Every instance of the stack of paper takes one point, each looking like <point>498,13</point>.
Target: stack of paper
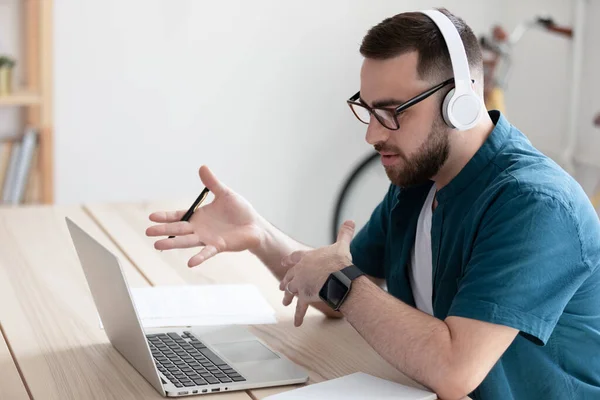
<point>356,386</point>
<point>201,305</point>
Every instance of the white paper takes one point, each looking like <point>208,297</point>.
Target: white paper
<point>201,305</point>
<point>358,386</point>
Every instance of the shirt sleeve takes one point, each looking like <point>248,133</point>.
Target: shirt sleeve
<point>525,266</point>
<point>368,246</point>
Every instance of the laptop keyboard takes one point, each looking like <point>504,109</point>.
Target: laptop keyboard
<point>186,361</point>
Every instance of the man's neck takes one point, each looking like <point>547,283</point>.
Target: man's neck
<point>463,147</point>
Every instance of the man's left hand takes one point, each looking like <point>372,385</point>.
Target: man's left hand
<point>310,269</point>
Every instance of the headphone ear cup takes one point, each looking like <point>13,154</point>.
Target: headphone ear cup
<point>461,111</point>
<point>445,108</point>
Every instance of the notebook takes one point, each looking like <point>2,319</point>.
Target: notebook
<point>357,386</point>
<point>201,305</point>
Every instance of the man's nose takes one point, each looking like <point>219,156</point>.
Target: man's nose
<point>376,133</point>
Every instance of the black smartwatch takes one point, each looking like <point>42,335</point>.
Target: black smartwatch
<point>337,286</point>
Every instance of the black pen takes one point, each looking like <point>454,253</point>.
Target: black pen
<point>192,209</point>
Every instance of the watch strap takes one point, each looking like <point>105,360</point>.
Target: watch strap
<point>352,272</point>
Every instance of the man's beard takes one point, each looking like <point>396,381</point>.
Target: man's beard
<point>426,162</point>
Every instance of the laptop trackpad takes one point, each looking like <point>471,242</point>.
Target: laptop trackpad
<point>239,352</point>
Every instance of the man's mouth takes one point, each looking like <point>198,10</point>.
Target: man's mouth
<point>388,159</point>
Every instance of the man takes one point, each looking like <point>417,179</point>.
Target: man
<point>489,250</point>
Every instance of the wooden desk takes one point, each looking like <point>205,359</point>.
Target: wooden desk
<point>51,346</point>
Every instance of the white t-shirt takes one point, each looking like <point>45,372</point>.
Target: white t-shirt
<point>421,266</point>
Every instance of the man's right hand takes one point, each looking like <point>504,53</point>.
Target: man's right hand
<point>228,223</point>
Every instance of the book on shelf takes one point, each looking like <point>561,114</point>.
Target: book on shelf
<point>19,167</point>
<point>33,191</point>
<point>9,175</point>
<point>5,150</point>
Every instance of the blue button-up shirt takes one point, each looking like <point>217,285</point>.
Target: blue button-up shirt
<point>515,241</point>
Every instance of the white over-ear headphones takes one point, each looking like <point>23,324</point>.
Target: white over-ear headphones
<point>462,106</point>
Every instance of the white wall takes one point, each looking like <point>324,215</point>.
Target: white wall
<point>147,91</point>
<point>588,147</point>
<point>537,96</point>
<point>539,93</point>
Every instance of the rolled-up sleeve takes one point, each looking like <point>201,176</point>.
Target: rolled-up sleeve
<point>526,264</point>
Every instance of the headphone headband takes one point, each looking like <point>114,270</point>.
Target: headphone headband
<point>461,107</point>
<point>458,55</point>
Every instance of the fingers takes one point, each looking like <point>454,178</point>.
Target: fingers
<point>346,232</point>
<point>211,182</point>
<point>293,258</point>
<point>301,308</point>
<point>285,285</point>
<point>167,216</point>
<point>287,298</point>
<point>289,275</point>
<point>204,254</point>
<point>179,228</point>
<point>178,242</point>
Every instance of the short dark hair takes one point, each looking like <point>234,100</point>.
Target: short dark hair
<point>412,31</point>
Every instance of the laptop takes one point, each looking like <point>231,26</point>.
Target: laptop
<point>180,361</point>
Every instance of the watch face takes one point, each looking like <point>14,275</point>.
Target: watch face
<point>333,291</point>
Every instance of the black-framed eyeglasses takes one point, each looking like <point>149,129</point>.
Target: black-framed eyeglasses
<point>388,117</point>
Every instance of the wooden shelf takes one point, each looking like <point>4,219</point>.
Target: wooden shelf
<point>35,97</point>
<point>20,99</point>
